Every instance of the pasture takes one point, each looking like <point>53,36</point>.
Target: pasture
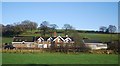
<point>6,39</point>
<point>100,37</point>
<point>94,36</point>
<point>58,58</point>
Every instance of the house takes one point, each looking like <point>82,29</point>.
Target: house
<point>40,42</point>
<point>69,40</point>
<point>47,42</point>
<point>50,39</point>
<point>57,40</point>
<point>94,44</point>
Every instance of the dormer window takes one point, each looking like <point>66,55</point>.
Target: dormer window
<point>68,40</point>
<point>40,39</point>
<point>50,39</point>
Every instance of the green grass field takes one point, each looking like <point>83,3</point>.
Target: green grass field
<point>95,36</point>
<point>6,39</point>
<point>59,58</point>
<point>101,37</point>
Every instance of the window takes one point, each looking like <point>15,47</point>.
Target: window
<point>101,45</point>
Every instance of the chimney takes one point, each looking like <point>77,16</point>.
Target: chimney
<point>55,34</point>
<point>66,35</point>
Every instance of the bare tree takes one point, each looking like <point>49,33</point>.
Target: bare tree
<point>17,28</point>
<point>67,28</point>
<point>44,26</point>
<point>53,28</point>
<point>112,28</point>
<point>77,43</point>
<point>29,25</point>
<point>103,28</point>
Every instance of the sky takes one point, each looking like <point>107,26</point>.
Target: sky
<point>81,15</point>
<point>60,0</point>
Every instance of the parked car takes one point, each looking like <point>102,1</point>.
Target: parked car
<point>8,46</point>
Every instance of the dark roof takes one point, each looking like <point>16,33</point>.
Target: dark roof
<point>32,38</point>
<point>92,41</point>
<point>23,38</point>
<point>45,38</point>
<point>69,37</point>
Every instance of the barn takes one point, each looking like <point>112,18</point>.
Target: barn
<point>23,41</point>
<point>94,44</point>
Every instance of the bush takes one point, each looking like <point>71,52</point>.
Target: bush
<point>113,45</point>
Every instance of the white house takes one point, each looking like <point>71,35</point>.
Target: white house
<point>49,39</point>
<point>40,39</point>
<point>59,39</point>
<point>40,42</point>
<point>67,40</point>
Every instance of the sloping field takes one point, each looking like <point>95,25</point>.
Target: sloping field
<point>94,36</point>
<point>101,37</point>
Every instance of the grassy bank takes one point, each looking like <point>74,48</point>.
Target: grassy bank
<point>101,37</point>
<point>6,39</point>
<point>59,58</point>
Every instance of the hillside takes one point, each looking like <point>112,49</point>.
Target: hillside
<point>95,36</point>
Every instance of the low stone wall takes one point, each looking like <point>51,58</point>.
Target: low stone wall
<point>101,51</point>
<point>23,51</point>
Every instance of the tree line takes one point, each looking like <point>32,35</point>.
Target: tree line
<point>109,29</point>
<point>46,28</point>
<point>18,28</point>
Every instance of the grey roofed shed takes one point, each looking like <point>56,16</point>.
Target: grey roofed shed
<point>23,38</point>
